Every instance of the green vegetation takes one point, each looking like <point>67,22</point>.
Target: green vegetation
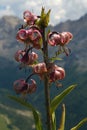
<point>3,123</point>
<point>15,119</point>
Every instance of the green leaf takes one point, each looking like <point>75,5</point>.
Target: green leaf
<point>54,59</point>
<point>35,62</point>
<point>79,124</point>
<point>53,121</point>
<point>62,121</point>
<point>58,99</point>
<point>36,114</point>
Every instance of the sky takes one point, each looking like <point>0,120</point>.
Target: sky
<point>61,10</point>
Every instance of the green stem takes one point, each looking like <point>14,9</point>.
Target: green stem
<point>46,82</point>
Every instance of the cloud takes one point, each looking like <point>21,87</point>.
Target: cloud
<point>6,10</point>
<point>61,10</point>
<point>74,8</point>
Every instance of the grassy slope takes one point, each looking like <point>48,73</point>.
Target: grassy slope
<point>15,119</point>
<point>3,123</point>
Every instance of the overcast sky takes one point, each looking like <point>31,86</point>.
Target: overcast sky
<point>61,10</point>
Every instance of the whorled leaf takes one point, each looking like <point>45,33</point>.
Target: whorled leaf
<point>62,121</point>
<point>54,59</point>
<point>36,114</point>
<point>53,121</point>
<point>58,99</point>
<point>82,122</point>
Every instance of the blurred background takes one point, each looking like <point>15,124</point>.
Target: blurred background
<point>65,16</point>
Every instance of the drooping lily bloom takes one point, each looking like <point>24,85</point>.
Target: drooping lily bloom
<point>40,68</point>
<point>52,67</point>
<point>65,38</point>
<point>18,55</point>
<point>54,38</point>
<point>24,57</point>
<point>35,36</point>
<point>31,58</point>
<point>22,87</point>
<point>54,76</point>
<point>22,35</point>
<point>29,17</point>
<point>61,39</point>
<point>55,72</point>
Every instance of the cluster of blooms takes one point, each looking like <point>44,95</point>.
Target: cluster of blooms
<point>32,38</point>
<point>61,39</point>
<point>55,38</point>
<point>54,72</point>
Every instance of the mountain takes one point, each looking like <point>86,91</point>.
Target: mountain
<point>75,65</point>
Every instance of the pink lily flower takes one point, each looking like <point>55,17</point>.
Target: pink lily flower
<point>54,38</point>
<point>55,72</point>
<point>22,87</point>
<point>40,68</point>
<point>22,35</point>
<point>29,17</point>
<point>65,38</point>
<point>24,57</point>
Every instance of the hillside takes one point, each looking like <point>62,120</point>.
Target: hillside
<point>75,66</point>
<point>15,119</point>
